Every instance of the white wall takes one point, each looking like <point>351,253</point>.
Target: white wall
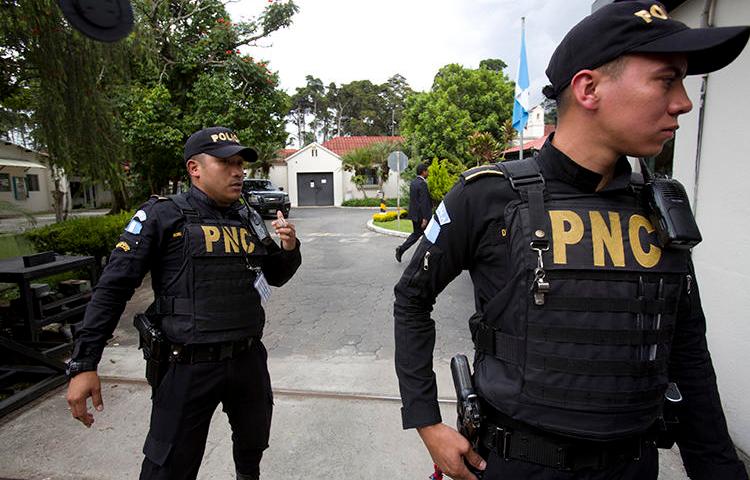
<point>278,176</point>
<point>40,201</point>
<point>351,191</point>
<point>314,159</point>
<point>535,126</point>
<point>722,206</point>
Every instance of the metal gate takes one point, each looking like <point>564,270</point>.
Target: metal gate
<point>314,189</point>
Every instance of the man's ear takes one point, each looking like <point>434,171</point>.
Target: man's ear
<point>193,168</point>
<point>583,89</point>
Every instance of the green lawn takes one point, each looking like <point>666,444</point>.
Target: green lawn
<point>14,246</point>
<point>393,225</point>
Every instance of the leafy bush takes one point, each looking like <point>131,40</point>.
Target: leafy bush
<point>372,202</point>
<point>388,216</point>
<point>95,236</point>
<point>443,174</point>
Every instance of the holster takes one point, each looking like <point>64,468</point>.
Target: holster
<point>155,348</point>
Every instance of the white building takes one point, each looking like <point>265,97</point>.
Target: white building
<point>535,124</point>
<point>314,175</point>
<point>713,174</point>
<point>26,182</point>
<point>25,179</point>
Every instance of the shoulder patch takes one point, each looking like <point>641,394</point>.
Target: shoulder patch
<point>481,171</point>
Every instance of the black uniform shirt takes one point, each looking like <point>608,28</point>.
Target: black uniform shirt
<point>473,241</point>
<point>152,245</point>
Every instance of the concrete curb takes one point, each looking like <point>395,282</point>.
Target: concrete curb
<point>385,231</point>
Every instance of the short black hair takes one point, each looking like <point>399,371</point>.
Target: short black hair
<point>421,168</point>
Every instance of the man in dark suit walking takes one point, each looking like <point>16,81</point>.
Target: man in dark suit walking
<point>420,209</point>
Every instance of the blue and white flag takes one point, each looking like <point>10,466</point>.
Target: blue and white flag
<point>521,102</point>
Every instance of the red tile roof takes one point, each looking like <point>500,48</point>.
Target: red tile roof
<point>281,155</point>
<point>535,144</point>
<point>342,145</point>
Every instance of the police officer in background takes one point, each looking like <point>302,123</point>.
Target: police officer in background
<point>210,272</point>
<point>582,317</point>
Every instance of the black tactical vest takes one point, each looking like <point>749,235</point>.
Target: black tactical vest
<point>212,298</point>
<point>577,342</point>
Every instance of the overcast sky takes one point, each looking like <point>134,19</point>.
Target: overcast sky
<point>345,40</point>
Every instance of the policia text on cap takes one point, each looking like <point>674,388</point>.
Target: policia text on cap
<point>583,317</point>
<point>210,272</point>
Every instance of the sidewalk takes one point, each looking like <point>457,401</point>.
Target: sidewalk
<point>336,416</point>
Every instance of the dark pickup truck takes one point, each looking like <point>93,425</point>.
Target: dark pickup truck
<point>265,198</point>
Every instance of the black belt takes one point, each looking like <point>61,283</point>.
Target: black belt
<point>528,444</point>
<point>208,352</point>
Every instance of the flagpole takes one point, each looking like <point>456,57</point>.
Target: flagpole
<point>520,150</point>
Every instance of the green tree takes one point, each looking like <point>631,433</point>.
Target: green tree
<point>371,157</point>
<point>355,108</point>
<point>189,52</point>
<point>483,147</point>
<point>462,101</point>
<point>60,90</point>
<point>494,64</point>
<point>442,175</point>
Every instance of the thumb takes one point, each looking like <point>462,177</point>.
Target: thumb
<point>96,399</point>
<point>475,460</point>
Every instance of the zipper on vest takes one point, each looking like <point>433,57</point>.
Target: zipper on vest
<point>426,261</point>
<point>689,282</point>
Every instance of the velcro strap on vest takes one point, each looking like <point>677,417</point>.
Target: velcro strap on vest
<point>646,306</point>
<point>172,306</point>
<point>526,178</point>
<point>500,345</point>
<point>608,368</point>
<point>593,398</point>
<point>595,336</point>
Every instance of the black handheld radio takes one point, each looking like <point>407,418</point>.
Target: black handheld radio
<point>669,210</point>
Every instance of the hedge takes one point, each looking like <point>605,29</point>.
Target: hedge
<point>95,236</point>
<point>388,216</point>
<point>372,202</point>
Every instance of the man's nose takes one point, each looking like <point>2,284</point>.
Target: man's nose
<point>680,102</point>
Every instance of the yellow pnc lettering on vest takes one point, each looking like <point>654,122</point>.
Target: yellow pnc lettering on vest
<point>233,239</point>
<point>606,236</point>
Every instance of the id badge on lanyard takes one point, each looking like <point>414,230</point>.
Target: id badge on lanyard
<point>262,287</point>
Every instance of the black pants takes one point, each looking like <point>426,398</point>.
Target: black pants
<point>413,237</point>
<point>645,468</point>
<point>184,403</point>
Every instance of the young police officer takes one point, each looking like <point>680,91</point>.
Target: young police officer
<point>582,317</point>
<point>210,272</point>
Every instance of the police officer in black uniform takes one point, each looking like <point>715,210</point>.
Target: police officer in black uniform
<point>583,319</point>
<point>210,271</point>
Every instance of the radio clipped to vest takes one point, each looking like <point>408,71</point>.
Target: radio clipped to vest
<point>256,222</point>
<point>669,210</point>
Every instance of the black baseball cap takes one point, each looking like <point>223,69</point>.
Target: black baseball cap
<point>639,27</point>
<point>218,142</point>
<point>103,20</point>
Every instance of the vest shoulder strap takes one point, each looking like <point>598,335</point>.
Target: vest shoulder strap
<point>523,174</point>
<point>191,214</point>
<point>526,179</point>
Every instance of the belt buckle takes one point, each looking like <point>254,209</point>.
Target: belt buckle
<point>226,351</point>
<point>502,442</point>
